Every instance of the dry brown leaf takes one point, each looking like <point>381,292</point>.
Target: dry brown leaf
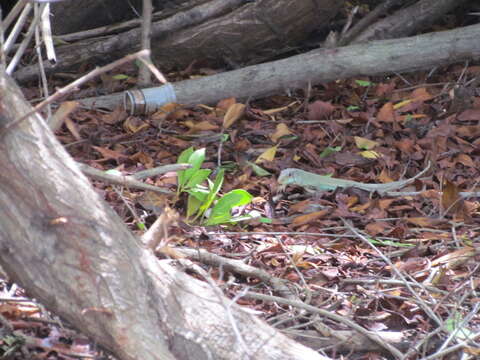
<point>364,143</point>
<point>118,115</point>
<point>377,227</point>
<point>386,113</point>
<point>234,112</point>
<point>143,158</point>
<point>267,155</point>
<point>281,130</point>
<point>109,154</point>
<point>301,206</point>
<point>451,200</point>
<point>66,107</point>
<point>134,124</point>
<point>469,115</point>
<point>405,145</point>
<point>455,258</point>
<point>318,110</point>
<point>421,94</point>
<point>308,218</point>
<point>195,127</point>
<point>72,127</point>
<point>466,160</point>
<point>153,201</point>
<point>424,221</point>
<point>226,103</point>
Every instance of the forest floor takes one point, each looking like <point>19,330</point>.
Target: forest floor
<point>405,263</point>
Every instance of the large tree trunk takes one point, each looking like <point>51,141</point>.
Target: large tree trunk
<point>63,244</point>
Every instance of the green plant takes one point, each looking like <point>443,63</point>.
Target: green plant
<point>9,344</point>
<point>203,201</point>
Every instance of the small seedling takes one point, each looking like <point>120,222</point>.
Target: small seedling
<point>203,202</point>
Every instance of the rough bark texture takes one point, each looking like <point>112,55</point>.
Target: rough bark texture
<point>72,16</point>
<point>409,20</point>
<point>69,16</point>
<point>227,30</point>
<point>69,250</point>
<point>255,31</point>
<point>323,65</point>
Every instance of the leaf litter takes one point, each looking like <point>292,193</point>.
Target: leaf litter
<point>429,231</point>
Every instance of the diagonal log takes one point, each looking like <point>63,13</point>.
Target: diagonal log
<point>68,249</point>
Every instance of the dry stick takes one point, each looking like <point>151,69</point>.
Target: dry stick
<point>422,304</point>
<point>144,77</point>
<point>341,319</point>
<point>119,179</point>
<point>391,282</point>
<point>3,59</point>
<point>70,87</point>
<point>159,170</point>
<point>14,13</point>
<point>460,327</point>
<point>441,354</point>
<point>241,268</point>
<point>17,28</point>
<point>28,37</point>
<point>38,47</point>
<point>47,35</point>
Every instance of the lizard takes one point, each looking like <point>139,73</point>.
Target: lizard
<point>308,180</point>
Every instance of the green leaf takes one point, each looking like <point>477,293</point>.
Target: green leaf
<point>352,108</point>
<point>221,212</point>
<point>199,192</point>
<point>193,204</point>
<point>141,226</point>
<point>185,155</point>
<point>183,159</point>
<point>363,83</point>
<point>330,150</point>
<point>196,159</point>
<point>120,77</point>
<point>453,323</point>
<point>265,220</point>
<point>214,189</point>
<point>259,171</point>
<point>199,177</point>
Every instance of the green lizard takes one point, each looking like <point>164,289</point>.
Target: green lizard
<point>316,182</point>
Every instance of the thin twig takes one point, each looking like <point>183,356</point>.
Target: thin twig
<point>341,319</point>
<point>239,267</point>
<point>74,85</point>
<point>397,272</point>
<point>126,181</point>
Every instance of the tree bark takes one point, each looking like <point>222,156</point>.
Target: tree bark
<point>409,20</point>
<point>214,31</point>
<point>323,65</point>
<point>69,250</point>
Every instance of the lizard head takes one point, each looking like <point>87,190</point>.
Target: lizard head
<point>286,177</point>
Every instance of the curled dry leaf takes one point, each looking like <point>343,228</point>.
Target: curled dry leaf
<point>234,112</point>
<point>281,130</point>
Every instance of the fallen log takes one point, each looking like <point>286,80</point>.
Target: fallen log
<point>231,31</point>
<point>69,250</point>
<point>317,66</point>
